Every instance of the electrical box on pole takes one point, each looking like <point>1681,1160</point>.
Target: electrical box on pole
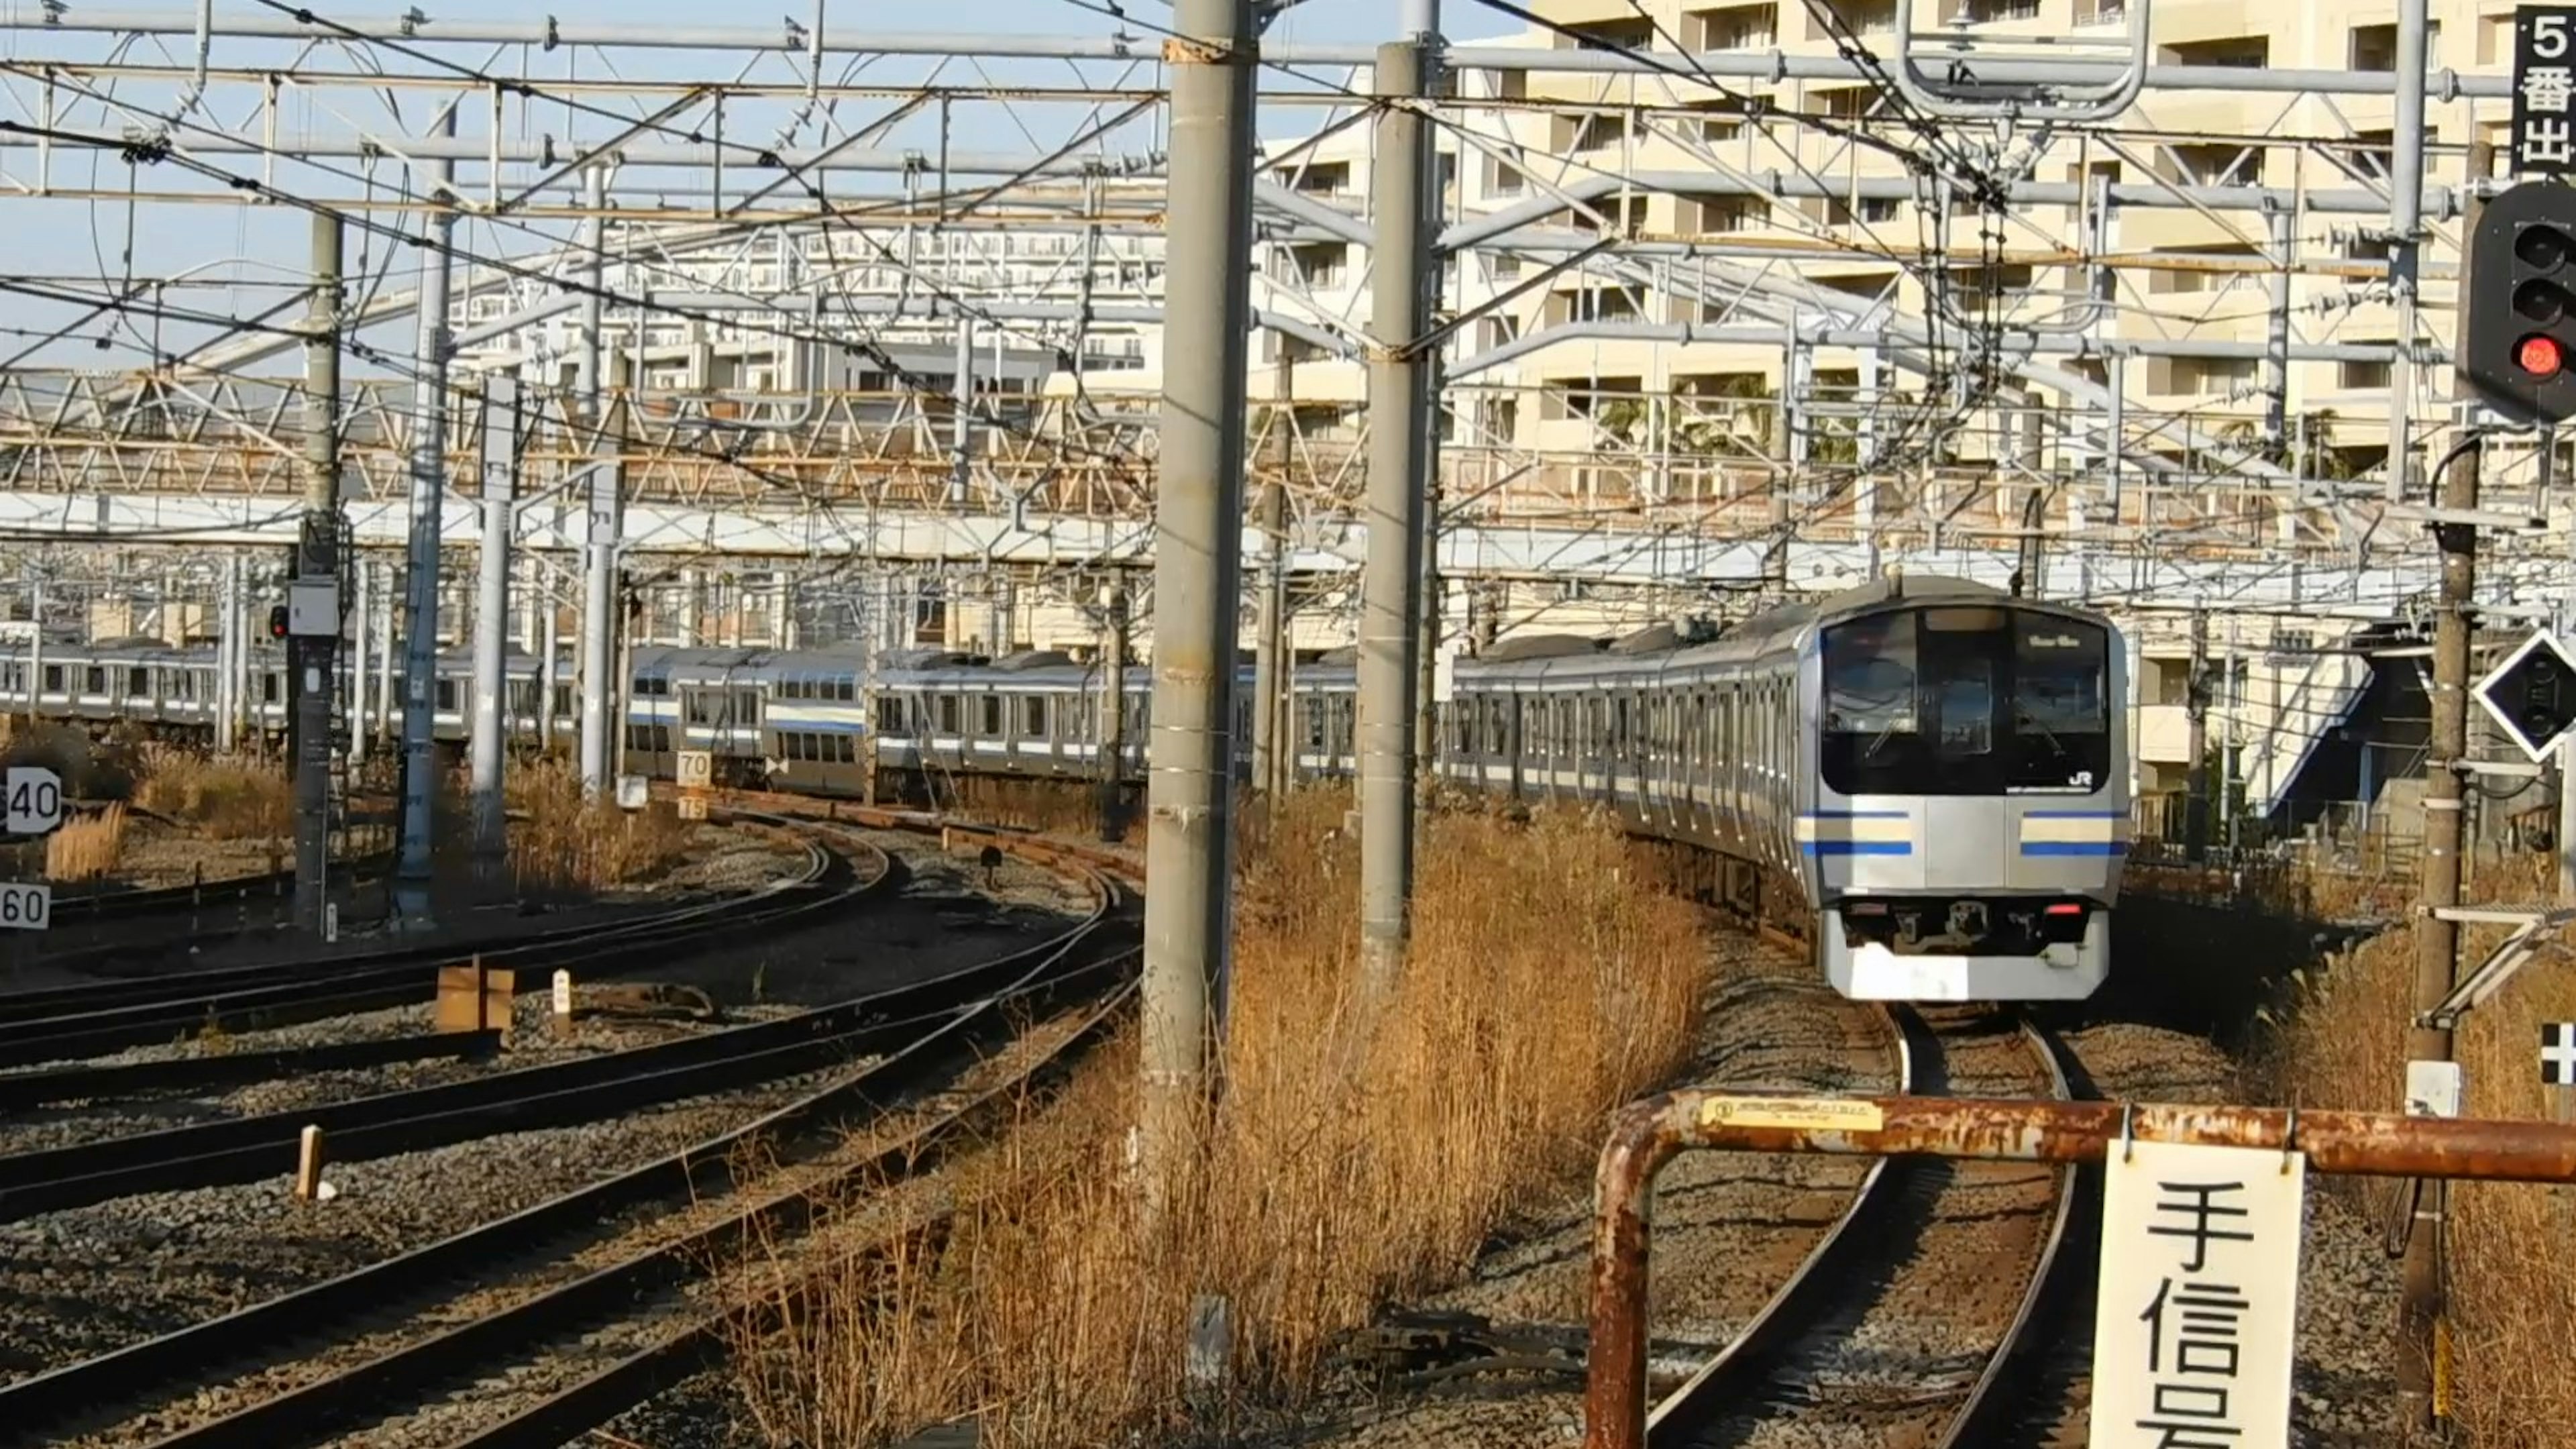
<point>2520,352</point>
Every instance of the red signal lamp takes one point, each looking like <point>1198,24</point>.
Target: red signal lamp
<point>277,622</point>
<point>2539,356</point>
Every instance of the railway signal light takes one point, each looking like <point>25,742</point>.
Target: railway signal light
<point>2522,304</point>
<point>277,622</point>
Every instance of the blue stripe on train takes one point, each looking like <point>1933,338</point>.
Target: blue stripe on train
<point>1857,847</point>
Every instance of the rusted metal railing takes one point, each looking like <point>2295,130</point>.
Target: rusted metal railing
<point>1648,1134</point>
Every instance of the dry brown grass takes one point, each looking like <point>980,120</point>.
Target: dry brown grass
<point>87,847</point>
<point>1343,1173</point>
<point>561,840</point>
<point>2343,1046</point>
<point>224,797</point>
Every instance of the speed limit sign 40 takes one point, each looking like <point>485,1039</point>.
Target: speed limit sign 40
<point>31,800</point>
<point>25,907</point>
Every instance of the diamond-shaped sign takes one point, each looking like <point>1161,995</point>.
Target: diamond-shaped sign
<point>2532,694</point>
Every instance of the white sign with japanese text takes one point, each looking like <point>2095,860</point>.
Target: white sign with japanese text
<point>2192,1341</point>
<point>2544,89</point>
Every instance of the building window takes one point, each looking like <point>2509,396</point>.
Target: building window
<point>1736,27</point>
<point>2366,376</point>
<point>2248,52</point>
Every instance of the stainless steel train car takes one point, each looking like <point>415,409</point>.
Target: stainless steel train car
<point>1938,769</point>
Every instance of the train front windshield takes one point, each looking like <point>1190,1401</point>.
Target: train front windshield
<point>1966,700</point>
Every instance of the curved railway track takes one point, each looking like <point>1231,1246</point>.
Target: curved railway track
<point>247,1148</point>
<point>70,1022</point>
<point>389,1346</point>
<point>1907,1322</point>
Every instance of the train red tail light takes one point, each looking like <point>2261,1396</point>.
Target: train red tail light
<point>2065,908</point>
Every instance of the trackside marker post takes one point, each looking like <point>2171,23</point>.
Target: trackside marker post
<point>562,1003</point>
<point>308,1165</point>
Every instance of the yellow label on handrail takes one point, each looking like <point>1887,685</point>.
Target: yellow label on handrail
<point>1798,1114</point>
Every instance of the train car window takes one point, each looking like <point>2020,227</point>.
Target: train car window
<point>847,690</point>
<point>1033,717</point>
<point>1953,701</point>
<point>138,683</point>
<point>889,715</point>
<point>94,680</point>
<point>447,694</point>
<point>992,717</point>
<point>1313,711</point>
<point>948,714</point>
<point>53,678</point>
<point>746,709</point>
<point>2061,717</point>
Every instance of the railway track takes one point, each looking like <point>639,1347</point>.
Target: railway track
<point>465,1307</point>
<point>71,1022</point>
<point>247,1148</point>
<point>1907,1323</point>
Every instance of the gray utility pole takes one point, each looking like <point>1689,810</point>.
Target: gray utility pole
<point>1198,531</point>
<point>1113,714</point>
<point>227,654</point>
<point>961,426</point>
<point>599,613</point>
<point>313,667</point>
<point>385,655</point>
<point>541,585</point>
<point>2196,692</point>
<point>360,577</point>
<point>500,459</point>
<point>2406,146</point>
<point>1269,677</point>
<point>2422,1303</point>
<point>1391,578</point>
<point>420,603</point>
<point>1426,646</point>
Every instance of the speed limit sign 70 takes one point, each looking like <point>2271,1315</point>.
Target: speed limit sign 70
<point>25,907</point>
<point>31,800</point>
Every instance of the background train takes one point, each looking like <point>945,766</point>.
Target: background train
<point>1938,772</point>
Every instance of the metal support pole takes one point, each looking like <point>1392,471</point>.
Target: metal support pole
<point>1198,543</point>
<point>227,655</point>
<point>961,426</point>
<point>2195,830</point>
<point>411,906</point>
<point>599,551</point>
<point>361,578</point>
<point>2276,340</point>
<point>2567,822</point>
<point>1391,580</point>
<point>385,656</point>
<point>1426,648</point>
<point>2405,223</point>
<point>500,459</point>
<point>1269,721</point>
<point>2423,1341</point>
<point>314,665</point>
<point>1113,715</point>
<point>549,669</point>
<point>1270,646</point>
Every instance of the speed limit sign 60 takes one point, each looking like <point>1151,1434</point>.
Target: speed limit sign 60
<point>25,907</point>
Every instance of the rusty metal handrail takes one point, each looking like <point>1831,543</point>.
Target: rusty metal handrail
<point>1646,1135</point>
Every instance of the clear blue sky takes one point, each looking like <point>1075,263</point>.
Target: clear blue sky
<point>79,240</point>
